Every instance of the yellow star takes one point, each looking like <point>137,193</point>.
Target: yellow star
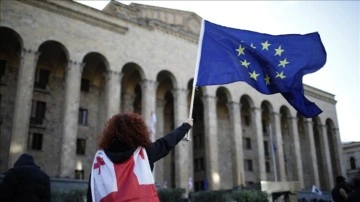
<point>283,62</point>
<point>240,50</point>
<point>265,45</point>
<point>280,75</point>
<point>278,51</point>
<point>252,46</point>
<point>267,80</point>
<point>245,63</point>
<point>254,75</point>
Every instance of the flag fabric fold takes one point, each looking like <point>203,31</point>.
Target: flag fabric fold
<point>269,63</point>
<point>130,180</point>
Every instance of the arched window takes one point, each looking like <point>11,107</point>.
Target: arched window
<point>352,163</point>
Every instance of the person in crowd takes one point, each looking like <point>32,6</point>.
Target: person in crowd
<point>122,168</point>
<point>25,181</point>
<point>355,195</point>
<point>338,193</point>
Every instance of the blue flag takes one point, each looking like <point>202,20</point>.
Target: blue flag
<point>269,63</point>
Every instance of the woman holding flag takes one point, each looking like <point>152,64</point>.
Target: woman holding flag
<point>122,167</point>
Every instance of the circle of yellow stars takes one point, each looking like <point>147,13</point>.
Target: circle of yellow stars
<point>265,46</point>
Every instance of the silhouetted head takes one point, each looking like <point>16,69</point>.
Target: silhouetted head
<point>340,179</point>
<point>24,159</point>
<point>356,182</point>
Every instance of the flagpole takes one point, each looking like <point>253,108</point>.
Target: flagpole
<point>273,153</point>
<point>196,73</point>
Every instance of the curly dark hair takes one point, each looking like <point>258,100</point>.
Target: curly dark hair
<point>128,128</point>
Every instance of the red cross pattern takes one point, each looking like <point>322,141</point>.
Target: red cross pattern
<point>99,162</point>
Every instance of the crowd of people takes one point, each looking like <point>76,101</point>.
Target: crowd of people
<point>122,167</point>
<point>121,171</point>
<point>345,192</point>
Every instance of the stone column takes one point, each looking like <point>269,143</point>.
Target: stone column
<point>159,165</point>
<point>237,146</point>
<point>148,99</point>
<point>211,148</point>
<point>339,153</point>
<point>326,152</point>
<point>310,133</point>
<point>127,102</point>
<point>260,143</point>
<point>299,165</point>
<point>70,120</point>
<point>280,164</point>
<point>113,84</point>
<point>182,154</point>
<point>24,92</point>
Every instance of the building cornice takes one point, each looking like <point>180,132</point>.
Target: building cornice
<point>319,94</point>
<point>69,9</point>
<point>351,145</point>
<point>184,24</point>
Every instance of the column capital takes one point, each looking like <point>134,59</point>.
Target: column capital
<point>184,90</point>
<point>73,63</point>
<point>232,105</point>
<point>256,109</point>
<point>322,125</point>
<point>28,52</point>
<point>111,73</point>
<point>208,97</point>
<point>309,121</point>
<point>25,51</point>
<point>145,83</point>
<point>293,118</point>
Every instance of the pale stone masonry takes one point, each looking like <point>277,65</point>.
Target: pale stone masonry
<point>66,68</point>
<point>352,160</point>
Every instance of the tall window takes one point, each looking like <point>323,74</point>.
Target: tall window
<point>83,116</point>
<point>264,126</point>
<point>41,78</point>
<point>352,163</point>
<point>2,69</point>
<point>198,140</point>
<point>267,166</point>
<point>199,164</point>
<point>266,148</point>
<point>202,163</point>
<point>0,110</point>
<point>37,115</point>
<point>36,141</point>
<point>85,85</point>
<point>247,143</point>
<point>196,164</point>
<point>245,112</point>
<point>246,119</point>
<point>248,165</point>
<point>80,146</point>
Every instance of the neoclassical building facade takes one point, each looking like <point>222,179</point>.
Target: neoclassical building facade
<point>66,68</point>
<point>351,157</point>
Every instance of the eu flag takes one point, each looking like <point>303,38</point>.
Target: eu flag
<point>269,63</point>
